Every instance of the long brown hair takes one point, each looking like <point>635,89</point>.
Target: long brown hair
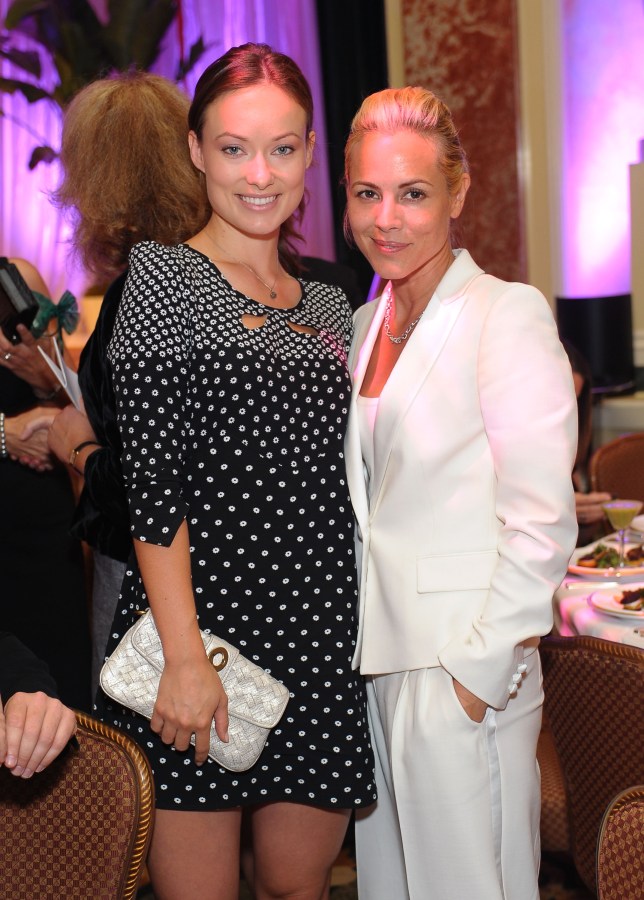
<point>246,66</point>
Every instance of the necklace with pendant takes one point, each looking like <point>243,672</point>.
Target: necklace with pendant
<point>408,330</point>
<point>269,287</point>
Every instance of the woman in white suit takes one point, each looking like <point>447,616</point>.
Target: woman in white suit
<point>460,446</point>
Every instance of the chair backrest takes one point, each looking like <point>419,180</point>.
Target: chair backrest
<point>620,856</point>
<point>593,700</point>
<point>82,827</point>
<point>618,467</point>
<point>554,825</point>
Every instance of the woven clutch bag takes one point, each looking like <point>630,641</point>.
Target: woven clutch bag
<point>256,700</point>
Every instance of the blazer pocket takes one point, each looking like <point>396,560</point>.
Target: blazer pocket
<point>456,571</point>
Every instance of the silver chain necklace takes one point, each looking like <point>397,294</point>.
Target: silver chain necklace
<point>408,330</point>
<point>270,287</point>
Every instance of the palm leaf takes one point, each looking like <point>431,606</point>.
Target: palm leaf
<point>41,154</point>
<point>27,60</point>
<point>82,48</point>
<point>45,21</point>
<point>194,55</point>
<point>135,30</point>
<point>31,92</point>
<point>23,9</point>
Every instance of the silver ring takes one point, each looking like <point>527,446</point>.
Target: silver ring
<point>7,356</point>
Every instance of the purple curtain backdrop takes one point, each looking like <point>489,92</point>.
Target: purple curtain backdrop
<point>32,228</point>
<point>602,95</point>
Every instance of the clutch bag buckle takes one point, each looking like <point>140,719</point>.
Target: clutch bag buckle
<point>218,651</point>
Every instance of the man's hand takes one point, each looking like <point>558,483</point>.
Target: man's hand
<point>34,728</point>
<point>69,429</point>
<point>27,440</point>
<point>589,507</point>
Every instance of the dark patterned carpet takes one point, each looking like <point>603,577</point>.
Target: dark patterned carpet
<point>558,881</point>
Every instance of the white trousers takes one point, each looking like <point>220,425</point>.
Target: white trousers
<point>457,816</point>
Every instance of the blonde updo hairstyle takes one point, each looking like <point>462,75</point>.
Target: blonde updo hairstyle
<point>414,109</point>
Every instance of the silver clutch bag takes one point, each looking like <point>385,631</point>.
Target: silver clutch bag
<point>256,700</point>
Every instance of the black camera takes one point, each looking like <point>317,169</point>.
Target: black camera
<point>18,306</point>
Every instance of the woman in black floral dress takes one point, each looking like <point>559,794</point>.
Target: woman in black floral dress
<point>232,393</point>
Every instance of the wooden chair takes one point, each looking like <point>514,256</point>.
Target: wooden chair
<point>618,467</point>
<point>82,827</point>
<point>620,860</point>
<point>555,826</point>
<point>593,696</point>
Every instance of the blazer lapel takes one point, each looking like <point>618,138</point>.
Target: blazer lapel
<point>424,346</point>
<point>367,327</point>
<point>408,376</point>
<point>423,349</point>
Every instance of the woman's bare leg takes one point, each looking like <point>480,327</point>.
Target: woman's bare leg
<point>246,853</point>
<point>294,848</point>
<point>195,855</point>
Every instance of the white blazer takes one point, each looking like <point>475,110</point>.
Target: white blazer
<point>468,524</point>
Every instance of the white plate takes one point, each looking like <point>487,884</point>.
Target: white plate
<point>638,523</point>
<point>605,601</point>
<point>622,572</point>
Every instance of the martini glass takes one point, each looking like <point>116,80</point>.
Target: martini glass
<point>620,515</point>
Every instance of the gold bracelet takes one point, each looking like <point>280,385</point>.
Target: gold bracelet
<point>74,454</point>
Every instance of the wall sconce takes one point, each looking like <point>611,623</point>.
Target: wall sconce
<point>601,328</point>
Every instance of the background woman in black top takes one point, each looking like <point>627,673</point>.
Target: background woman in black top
<point>42,595</point>
<point>127,176</point>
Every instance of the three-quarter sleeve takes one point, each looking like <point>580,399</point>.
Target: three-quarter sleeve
<point>149,355</point>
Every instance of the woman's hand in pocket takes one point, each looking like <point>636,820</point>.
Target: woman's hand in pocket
<point>473,705</point>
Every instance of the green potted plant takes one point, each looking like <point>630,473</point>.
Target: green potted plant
<point>82,48</point>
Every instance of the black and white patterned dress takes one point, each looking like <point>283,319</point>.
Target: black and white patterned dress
<point>240,431</point>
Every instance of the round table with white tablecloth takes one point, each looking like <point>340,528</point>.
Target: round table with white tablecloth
<point>573,614</point>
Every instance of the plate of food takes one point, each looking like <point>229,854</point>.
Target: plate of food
<point>601,560</point>
<point>628,602</point>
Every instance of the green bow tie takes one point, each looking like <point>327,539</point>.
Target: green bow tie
<point>65,311</point>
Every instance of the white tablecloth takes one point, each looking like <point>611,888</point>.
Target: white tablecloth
<point>573,615</point>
